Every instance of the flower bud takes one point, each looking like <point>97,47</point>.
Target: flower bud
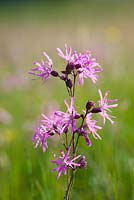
<point>82,162</point>
<point>65,130</point>
<point>69,83</point>
<point>89,105</point>
<point>77,116</point>
<point>96,110</point>
<point>82,116</point>
<point>69,68</point>
<point>63,72</point>
<point>54,73</point>
<point>77,66</point>
<point>63,78</point>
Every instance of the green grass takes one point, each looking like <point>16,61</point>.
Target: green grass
<point>25,173</point>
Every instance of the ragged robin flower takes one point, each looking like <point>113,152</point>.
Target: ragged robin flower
<point>43,69</point>
<point>65,161</point>
<point>105,106</point>
<point>86,66</point>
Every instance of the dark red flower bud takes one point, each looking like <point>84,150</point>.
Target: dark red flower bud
<point>69,83</point>
<point>50,133</point>
<point>96,110</point>
<point>89,105</point>
<point>63,78</point>
<point>65,130</point>
<point>82,116</point>
<point>69,68</point>
<point>82,162</point>
<point>54,73</point>
<point>77,116</point>
<point>63,72</point>
<point>77,66</point>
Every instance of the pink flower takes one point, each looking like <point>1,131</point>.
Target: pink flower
<point>68,56</point>
<point>84,133</point>
<point>82,162</point>
<point>40,137</point>
<point>105,106</point>
<point>86,66</point>
<point>63,162</point>
<point>44,69</point>
<point>47,128</point>
<point>68,118</point>
<point>91,124</point>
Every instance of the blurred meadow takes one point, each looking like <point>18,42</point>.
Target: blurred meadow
<point>26,30</point>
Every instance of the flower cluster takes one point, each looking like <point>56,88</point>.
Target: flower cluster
<point>71,125</point>
<point>83,64</point>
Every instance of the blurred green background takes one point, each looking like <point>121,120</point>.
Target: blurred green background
<point>27,28</point>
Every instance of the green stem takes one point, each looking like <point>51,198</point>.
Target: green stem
<point>69,91</point>
<point>67,148</point>
<point>69,187</point>
<point>70,182</point>
<point>77,142</point>
<point>74,84</point>
<point>83,119</point>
